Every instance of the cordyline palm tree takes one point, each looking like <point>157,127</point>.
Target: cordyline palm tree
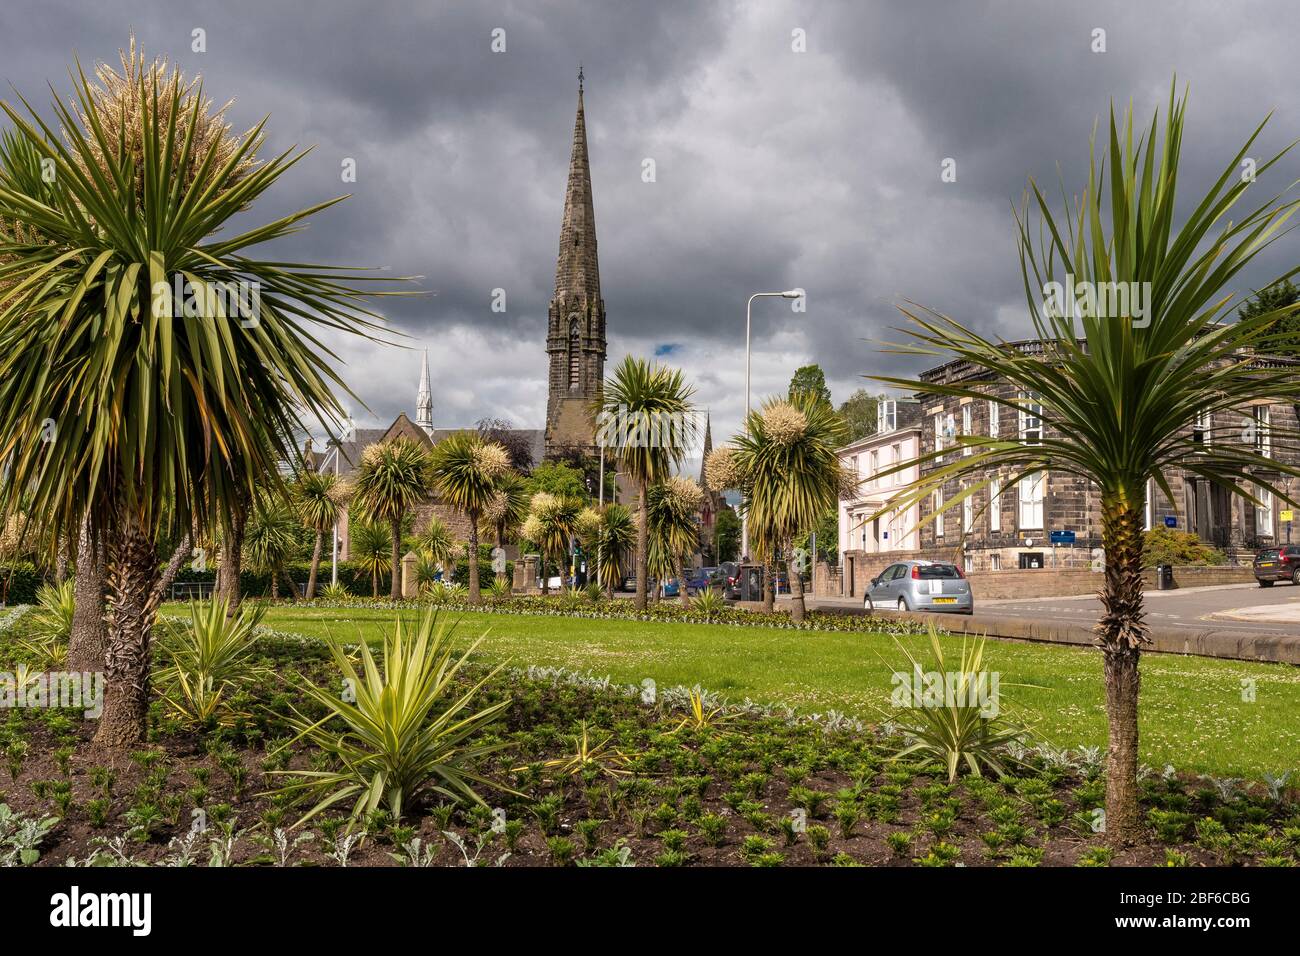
<point>392,477</point>
<point>787,454</point>
<point>319,508</point>
<point>270,538</point>
<point>437,544</point>
<point>608,534</point>
<point>674,530</point>
<point>1119,392</point>
<point>466,471</point>
<point>371,550</point>
<point>551,524</point>
<point>645,418</point>
<point>507,509</point>
<point>166,408</point>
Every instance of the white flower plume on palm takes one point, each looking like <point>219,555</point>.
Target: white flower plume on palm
<point>722,469</point>
<point>783,423</point>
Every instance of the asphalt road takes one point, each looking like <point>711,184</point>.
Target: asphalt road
<point>1197,608</point>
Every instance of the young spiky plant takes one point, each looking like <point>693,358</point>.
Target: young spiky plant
<point>608,535</point>
<point>551,523</point>
<point>673,520</point>
<point>270,538</point>
<point>169,413</point>
<point>786,457</point>
<point>1119,392</point>
<point>371,546</point>
<point>437,544</point>
<point>318,509</point>
<point>392,477</point>
<point>467,470</point>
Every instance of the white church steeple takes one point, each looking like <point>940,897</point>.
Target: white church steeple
<point>424,398</point>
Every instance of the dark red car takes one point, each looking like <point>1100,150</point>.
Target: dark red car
<point>1278,564</point>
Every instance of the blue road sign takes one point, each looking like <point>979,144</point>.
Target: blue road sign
<point>1171,521</point>
<point>1062,537</point>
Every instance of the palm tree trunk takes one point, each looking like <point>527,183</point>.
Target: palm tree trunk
<point>183,550</point>
<point>232,559</point>
<point>797,608</point>
<point>288,581</point>
<point>546,581</point>
<point>683,597</point>
<point>374,581</point>
<point>395,586</point>
<point>474,596</point>
<point>642,545</point>
<point>1122,632</point>
<point>61,563</point>
<point>88,642</point>
<point>132,576</point>
<point>315,566</point>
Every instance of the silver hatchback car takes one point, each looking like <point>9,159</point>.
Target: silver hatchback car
<point>920,586</point>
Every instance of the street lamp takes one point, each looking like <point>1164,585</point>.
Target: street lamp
<point>788,294</point>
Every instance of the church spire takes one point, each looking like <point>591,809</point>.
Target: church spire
<point>575,338</point>
<point>424,397</point>
<point>577,269</point>
<point>708,447</point>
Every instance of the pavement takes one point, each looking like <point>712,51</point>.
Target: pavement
<point>1239,621</point>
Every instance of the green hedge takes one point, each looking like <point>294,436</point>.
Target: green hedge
<point>19,583</point>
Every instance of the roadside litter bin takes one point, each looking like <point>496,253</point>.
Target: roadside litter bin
<point>1165,577</point>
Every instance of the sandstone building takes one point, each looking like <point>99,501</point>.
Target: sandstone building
<point>1008,525</point>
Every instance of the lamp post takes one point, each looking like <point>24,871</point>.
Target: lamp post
<point>788,294</point>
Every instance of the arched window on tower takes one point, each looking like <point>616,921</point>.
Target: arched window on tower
<point>575,363</point>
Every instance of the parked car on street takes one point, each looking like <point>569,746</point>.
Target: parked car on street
<point>1278,564</point>
<point>704,579</point>
<point>920,586</point>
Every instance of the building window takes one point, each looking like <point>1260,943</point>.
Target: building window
<point>966,427</point>
<point>995,504</point>
<point>968,563</point>
<point>995,418</point>
<point>1201,429</point>
<point>1146,513</point>
<point>938,514</point>
<point>1263,442</point>
<point>938,435</point>
<point>1264,514</point>
<point>967,515</point>
<point>995,562</point>
<point>874,468</point>
<point>1031,420</point>
<point>886,415</point>
<point>575,358</point>
<point>895,455</point>
<point>1031,502</point>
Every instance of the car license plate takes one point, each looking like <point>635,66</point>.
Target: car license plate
<point>1266,564</point>
<point>945,600</point>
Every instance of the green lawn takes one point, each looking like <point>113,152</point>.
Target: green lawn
<point>1193,714</point>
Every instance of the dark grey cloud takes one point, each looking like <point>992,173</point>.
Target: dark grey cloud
<point>774,168</point>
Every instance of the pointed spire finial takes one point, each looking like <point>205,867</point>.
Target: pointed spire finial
<point>579,76</point>
<point>424,397</point>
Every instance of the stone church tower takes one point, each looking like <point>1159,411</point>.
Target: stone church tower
<point>575,339</point>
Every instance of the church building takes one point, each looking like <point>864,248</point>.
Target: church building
<point>575,348</point>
